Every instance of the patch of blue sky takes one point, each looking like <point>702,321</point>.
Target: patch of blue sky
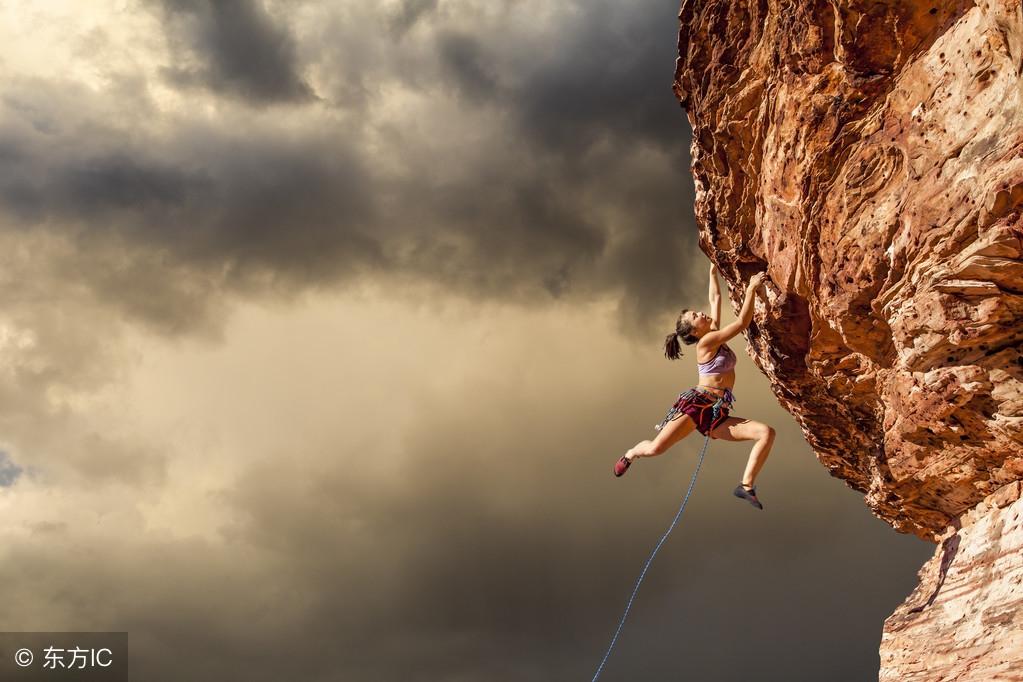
<point>9,471</point>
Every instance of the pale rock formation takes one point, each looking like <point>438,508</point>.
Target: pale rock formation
<point>968,607</point>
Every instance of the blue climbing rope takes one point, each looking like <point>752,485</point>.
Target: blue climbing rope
<point>664,537</point>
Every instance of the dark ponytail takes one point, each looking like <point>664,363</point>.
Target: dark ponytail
<point>672,350</point>
<point>683,330</point>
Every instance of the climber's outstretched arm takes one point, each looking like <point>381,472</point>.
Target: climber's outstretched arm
<point>715,299</point>
<point>713,339</point>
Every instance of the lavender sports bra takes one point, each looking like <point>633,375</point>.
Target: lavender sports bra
<point>722,363</point>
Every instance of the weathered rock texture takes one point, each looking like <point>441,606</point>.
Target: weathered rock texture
<point>968,608</point>
<point>869,156</point>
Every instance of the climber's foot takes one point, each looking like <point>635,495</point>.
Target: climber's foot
<point>621,465</point>
<point>748,493</point>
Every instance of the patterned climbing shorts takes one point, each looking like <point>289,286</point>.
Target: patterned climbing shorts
<point>706,409</point>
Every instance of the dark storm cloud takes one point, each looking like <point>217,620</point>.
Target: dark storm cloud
<point>611,76</point>
<point>409,13</point>
<point>102,185</point>
<point>184,216</point>
<point>559,171</point>
<point>465,61</point>
<point>597,93</point>
<point>241,49</point>
<point>511,231</point>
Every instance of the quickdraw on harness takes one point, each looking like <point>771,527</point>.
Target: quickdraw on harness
<point>676,409</point>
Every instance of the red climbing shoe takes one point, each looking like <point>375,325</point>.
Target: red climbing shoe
<point>748,494</point>
<point>621,465</point>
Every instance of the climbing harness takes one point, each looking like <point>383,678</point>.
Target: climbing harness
<point>727,398</point>
<point>706,441</point>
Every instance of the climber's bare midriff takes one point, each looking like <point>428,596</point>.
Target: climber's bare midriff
<point>717,383</point>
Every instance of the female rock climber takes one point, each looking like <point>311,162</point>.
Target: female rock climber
<point>705,406</point>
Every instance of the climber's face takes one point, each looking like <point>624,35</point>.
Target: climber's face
<point>700,321</point>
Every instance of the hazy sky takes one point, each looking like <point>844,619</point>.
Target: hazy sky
<point>322,324</point>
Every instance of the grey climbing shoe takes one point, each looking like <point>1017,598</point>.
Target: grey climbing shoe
<point>750,495</point>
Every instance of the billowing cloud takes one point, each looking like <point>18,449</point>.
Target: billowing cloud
<point>235,47</point>
<point>473,159</point>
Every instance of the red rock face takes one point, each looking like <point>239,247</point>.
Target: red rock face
<point>869,156</point>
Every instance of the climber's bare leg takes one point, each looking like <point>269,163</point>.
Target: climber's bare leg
<point>673,432</point>
<point>737,428</point>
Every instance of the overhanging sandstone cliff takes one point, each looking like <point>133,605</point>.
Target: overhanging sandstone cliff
<point>869,156</point>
